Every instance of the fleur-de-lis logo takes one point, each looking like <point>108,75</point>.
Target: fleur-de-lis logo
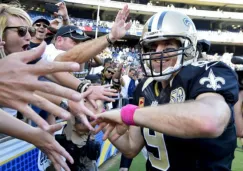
<point>213,81</point>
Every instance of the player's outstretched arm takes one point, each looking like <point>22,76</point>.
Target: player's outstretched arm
<point>239,116</point>
<point>19,80</point>
<point>207,116</point>
<point>41,139</point>
<point>86,50</point>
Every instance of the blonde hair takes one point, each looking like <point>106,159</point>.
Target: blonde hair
<point>5,12</point>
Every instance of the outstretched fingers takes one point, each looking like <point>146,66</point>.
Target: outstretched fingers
<point>55,89</point>
<point>48,106</point>
<point>83,118</point>
<point>32,115</point>
<point>60,150</point>
<point>54,162</point>
<point>109,128</point>
<point>44,67</point>
<point>100,127</point>
<point>58,158</point>
<point>30,55</point>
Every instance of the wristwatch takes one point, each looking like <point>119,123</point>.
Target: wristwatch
<point>64,104</point>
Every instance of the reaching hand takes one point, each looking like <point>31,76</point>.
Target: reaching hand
<point>85,124</point>
<point>101,93</point>
<point>80,111</point>
<point>120,26</point>
<point>54,24</point>
<point>19,80</point>
<point>48,145</point>
<point>62,11</point>
<point>111,120</point>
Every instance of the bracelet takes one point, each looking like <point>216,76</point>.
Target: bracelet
<point>108,39</point>
<point>83,86</point>
<point>127,113</point>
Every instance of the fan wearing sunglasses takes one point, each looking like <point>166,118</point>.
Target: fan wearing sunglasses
<point>40,24</point>
<point>19,82</point>
<point>106,77</point>
<point>16,32</point>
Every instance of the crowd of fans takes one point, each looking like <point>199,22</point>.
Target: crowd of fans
<point>110,86</point>
<point>136,29</point>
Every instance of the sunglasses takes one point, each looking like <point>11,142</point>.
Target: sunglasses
<point>22,30</point>
<point>39,25</point>
<point>110,72</point>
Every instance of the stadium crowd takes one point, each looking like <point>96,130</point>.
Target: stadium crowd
<point>50,69</point>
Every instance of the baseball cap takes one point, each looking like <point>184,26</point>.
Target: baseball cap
<point>39,19</point>
<point>93,78</point>
<point>72,32</point>
<point>107,60</point>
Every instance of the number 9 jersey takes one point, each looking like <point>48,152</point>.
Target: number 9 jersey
<point>167,153</point>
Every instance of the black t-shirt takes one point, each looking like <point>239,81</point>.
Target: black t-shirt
<point>33,45</point>
<point>199,154</point>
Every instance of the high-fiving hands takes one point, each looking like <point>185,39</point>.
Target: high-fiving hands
<point>19,80</point>
<point>111,123</point>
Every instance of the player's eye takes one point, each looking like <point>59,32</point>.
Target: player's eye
<point>169,49</point>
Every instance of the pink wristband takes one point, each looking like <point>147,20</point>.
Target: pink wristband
<point>127,113</point>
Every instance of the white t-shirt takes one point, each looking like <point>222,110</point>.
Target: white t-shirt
<point>51,53</point>
<point>124,89</point>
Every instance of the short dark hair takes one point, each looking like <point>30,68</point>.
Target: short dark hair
<point>132,69</point>
<point>107,60</point>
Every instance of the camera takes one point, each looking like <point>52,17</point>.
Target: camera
<point>91,149</point>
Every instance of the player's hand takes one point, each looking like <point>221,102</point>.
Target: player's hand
<point>80,111</point>
<point>19,80</point>
<point>120,26</point>
<point>47,144</point>
<point>84,110</point>
<point>101,93</point>
<point>111,122</point>
<point>81,127</point>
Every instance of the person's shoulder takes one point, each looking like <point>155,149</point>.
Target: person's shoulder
<point>196,69</point>
<point>205,65</point>
<point>215,77</point>
<point>144,83</point>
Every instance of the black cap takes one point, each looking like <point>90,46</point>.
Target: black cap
<point>39,19</point>
<point>107,60</point>
<point>72,32</point>
<point>93,78</point>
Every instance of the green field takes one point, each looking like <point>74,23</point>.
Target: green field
<point>138,163</point>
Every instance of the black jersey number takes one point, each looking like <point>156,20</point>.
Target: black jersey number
<point>157,141</point>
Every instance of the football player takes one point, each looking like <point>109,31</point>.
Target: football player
<point>187,121</point>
